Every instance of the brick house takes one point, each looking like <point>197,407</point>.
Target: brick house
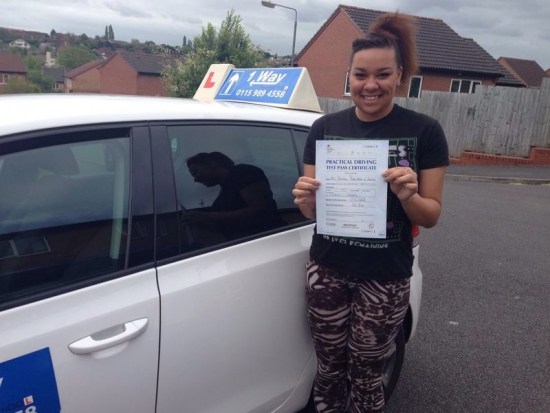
<point>528,72</point>
<point>127,73</point>
<point>84,78</point>
<point>447,61</point>
<point>57,74</point>
<point>11,67</point>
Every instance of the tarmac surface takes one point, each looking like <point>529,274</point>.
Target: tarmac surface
<point>527,175</point>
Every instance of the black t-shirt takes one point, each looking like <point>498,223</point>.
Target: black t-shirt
<point>230,199</point>
<point>239,177</point>
<point>416,141</point>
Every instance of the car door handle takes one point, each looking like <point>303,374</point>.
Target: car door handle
<point>131,330</point>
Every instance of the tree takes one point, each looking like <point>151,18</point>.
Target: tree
<point>186,47</point>
<point>168,50</point>
<point>234,45</point>
<point>183,76</point>
<point>74,56</point>
<point>18,50</point>
<point>17,85</point>
<point>43,82</point>
<point>230,45</point>
<point>32,63</point>
<point>149,47</point>
<point>111,33</point>
<point>208,39</point>
<point>106,37</point>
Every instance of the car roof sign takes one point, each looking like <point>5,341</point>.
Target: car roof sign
<point>289,88</point>
<point>211,82</point>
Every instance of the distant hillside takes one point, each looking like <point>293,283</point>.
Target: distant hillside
<point>97,44</point>
<point>34,38</point>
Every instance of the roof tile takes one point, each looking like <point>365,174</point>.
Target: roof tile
<point>438,46</point>
<point>146,63</point>
<point>57,73</point>
<point>11,63</point>
<point>527,71</point>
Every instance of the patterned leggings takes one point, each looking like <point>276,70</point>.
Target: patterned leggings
<point>353,324</point>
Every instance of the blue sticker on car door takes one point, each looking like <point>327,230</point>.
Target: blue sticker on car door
<point>27,384</point>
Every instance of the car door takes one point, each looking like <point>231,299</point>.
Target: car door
<point>79,305</point>
<point>234,329</point>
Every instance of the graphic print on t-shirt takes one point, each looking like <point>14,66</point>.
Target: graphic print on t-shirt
<point>402,152</point>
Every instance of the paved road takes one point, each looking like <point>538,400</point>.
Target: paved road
<point>483,343</point>
<point>516,174</point>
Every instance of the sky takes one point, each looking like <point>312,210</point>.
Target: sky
<point>508,28</point>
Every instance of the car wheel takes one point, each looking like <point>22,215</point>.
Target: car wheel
<point>392,369</point>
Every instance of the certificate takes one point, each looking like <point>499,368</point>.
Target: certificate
<point>352,198</point>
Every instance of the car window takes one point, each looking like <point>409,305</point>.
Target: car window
<point>300,138</point>
<point>66,215</point>
<point>233,181</point>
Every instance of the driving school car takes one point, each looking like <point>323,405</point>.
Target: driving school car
<point>109,300</point>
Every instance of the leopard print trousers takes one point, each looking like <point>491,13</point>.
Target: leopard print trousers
<point>353,324</point>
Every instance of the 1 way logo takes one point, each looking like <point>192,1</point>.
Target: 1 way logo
<point>260,85</point>
<point>268,77</point>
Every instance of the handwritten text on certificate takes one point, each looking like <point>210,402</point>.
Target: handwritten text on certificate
<point>352,198</point>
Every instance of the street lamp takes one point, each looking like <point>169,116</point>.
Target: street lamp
<point>271,5</point>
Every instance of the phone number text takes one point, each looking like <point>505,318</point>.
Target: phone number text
<point>260,93</point>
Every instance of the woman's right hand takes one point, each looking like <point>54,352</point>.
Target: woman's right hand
<point>305,189</point>
<point>304,192</point>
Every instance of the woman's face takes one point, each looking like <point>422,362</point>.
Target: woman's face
<point>373,79</point>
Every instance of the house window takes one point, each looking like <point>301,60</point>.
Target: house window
<point>347,91</point>
<point>4,78</point>
<point>415,87</point>
<point>464,85</point>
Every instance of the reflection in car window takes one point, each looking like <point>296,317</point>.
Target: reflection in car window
<point>66,217</point>
<point>244,204</point>
<point>300,138</point>
<point>264,162</point>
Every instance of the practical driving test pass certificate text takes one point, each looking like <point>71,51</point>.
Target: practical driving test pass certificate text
<point>352,198</point>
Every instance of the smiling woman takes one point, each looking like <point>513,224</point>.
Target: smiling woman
<point>374,78</point>
<point>358,289</point>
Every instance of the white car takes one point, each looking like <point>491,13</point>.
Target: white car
<point>110,301</point>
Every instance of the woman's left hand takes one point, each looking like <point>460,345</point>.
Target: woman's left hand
<point>403,182</point>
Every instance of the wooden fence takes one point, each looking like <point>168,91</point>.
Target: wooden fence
<point>494,120</point>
